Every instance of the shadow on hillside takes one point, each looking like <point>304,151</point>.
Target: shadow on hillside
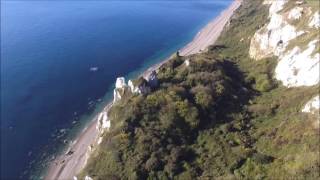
<point>232,106</point>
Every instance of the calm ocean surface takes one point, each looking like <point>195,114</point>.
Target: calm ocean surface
<point>48,48</point>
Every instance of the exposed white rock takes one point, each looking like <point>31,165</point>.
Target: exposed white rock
<point>116,95</point>
<point>134,89</point>
<point>276,5</point>
<point>312,106</point>
<point>120,88</point>
<point>75,178</point>
<point>142,88</point>
<point>315,20</point>
<point>99,140</point>
<point>299,68</point>
<point>121,82</point>
<point>187,62</point>
<point>299,2</point>
<point>88,178</point>
<point>273,38</point>
<point>295,13</point>
<point>103,122</point>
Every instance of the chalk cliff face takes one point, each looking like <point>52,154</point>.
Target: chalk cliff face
<point>287,36</point>
<point>299,67</point>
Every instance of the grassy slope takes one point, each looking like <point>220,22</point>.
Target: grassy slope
<point>251,127</point>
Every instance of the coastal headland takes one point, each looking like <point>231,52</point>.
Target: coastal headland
<point>69,164</point>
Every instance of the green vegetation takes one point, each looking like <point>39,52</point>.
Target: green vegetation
<point>221,117</point>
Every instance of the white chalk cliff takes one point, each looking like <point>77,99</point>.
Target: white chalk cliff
<point>298,64</point>
<point>299,67</point>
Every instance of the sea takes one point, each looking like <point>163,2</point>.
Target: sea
<point>60,60</point>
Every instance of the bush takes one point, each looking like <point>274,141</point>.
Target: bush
<point>203,96</point>
<point>263,83</point>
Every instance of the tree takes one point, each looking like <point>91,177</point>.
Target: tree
<point>203,96</point>
<point>152,163</point>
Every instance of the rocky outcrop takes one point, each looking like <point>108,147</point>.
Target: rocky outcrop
<point>88,178</point>
<point>312,106</point>
<point>140,86</point>
<point>187,62</point>
<point>103,122</point>
<point>152,79</point>
<point>297,66</point>
<point>119,91</point>
<point>133,88</point>
<point>121,82</point>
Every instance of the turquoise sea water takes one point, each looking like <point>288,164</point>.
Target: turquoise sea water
<point>48,49</point>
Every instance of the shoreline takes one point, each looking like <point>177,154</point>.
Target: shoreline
<point>69,164</point>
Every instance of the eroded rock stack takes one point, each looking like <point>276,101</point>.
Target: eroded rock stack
<point>139,86</point>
